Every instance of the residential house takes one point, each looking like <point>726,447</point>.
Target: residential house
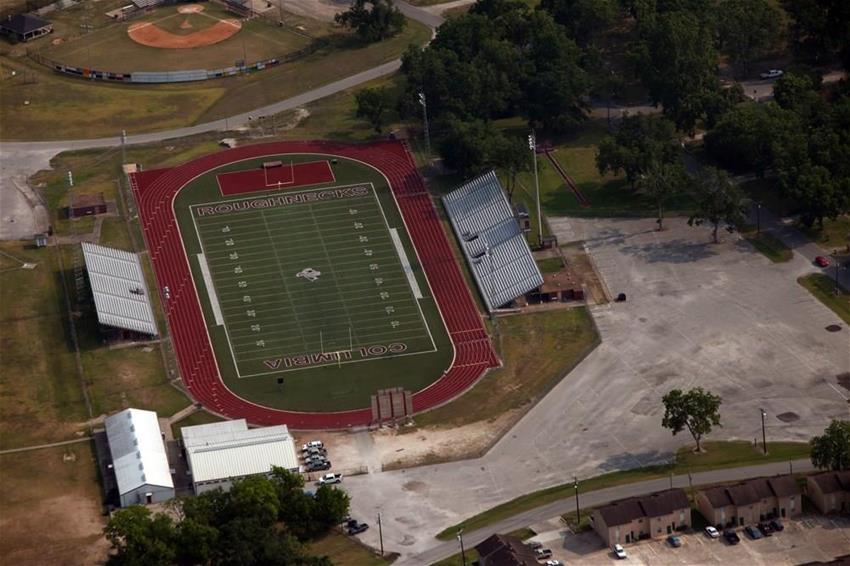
<point>751,501</point>
<point>830,491</point>
<point>635,518</point>
<point>503,550</point>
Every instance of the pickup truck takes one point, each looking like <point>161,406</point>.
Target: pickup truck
<point>328,479</point>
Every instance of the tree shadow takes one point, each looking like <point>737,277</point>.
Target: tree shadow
<point>674,251</point>
<point>632,460</point>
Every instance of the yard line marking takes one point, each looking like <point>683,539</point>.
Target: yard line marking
<point>405,264</point>
<point>216,308</point>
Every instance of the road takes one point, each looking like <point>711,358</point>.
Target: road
<point>601,497</point>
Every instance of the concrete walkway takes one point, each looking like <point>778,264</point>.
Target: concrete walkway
<point>41,446</point>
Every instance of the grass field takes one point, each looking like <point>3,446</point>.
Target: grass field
<point>344,551</point>
<point>718,455</point>
<point>335,337</point>
<point>823,288</point>
<point>769,245</point>
<point>111,49</point>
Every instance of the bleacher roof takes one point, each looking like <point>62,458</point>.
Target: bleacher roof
<point>492,241</point>
<point>138,452</point>
<point>229,449</point>
<point>118,285</point>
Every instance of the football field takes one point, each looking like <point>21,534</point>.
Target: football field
<point>307,279</point>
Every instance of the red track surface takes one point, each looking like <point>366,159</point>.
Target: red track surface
<point>155,192</point>
<point>254,180</point>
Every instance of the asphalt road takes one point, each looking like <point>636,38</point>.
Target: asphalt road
<point>601,497</point>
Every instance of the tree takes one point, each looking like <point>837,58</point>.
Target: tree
<point>196,542</point>
<point>641,142</point>
<point>583,19</point>
<point>697,410</point>
<point>821,28</point>
<point>661,181</point>
<point>718,202</point>
<point>374,23</point>
<point>331,506</point>
<point>373,104</point>
<point>831,451</point>
<point>513,157</point>
<point>748,29</point>
<point>470,147</point>
<point>140,538</point>
<point>797,91</point>
<point>676,60</point>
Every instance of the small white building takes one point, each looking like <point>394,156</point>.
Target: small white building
<point>220,453</point>
<point>139,458</point>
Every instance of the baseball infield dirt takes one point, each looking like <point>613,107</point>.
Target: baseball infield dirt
<point>150,34</point>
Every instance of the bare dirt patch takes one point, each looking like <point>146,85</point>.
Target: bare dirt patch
<point>151,35</point>
<point>190,9</point>
<point>324,10</point>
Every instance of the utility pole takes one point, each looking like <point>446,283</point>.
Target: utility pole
<point>532,145</point>
<point>424,104</point>
<point>763,434</point>
<point>578,510</point>
<point>380,533</point>
<point>123,147</point>
<point>462,551</point>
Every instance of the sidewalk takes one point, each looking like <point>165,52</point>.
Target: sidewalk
<point>600,497</point>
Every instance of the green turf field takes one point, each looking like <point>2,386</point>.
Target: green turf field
<point>324,293</point>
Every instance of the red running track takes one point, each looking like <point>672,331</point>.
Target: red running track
<point>284,176</point>
<point>155,191</point>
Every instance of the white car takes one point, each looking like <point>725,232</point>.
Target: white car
<point>554,563</point>
<point>328,479</point>
<point>772,74</point>
<point>712,532</point>
<point>620,552</point>
<point>313,444</point>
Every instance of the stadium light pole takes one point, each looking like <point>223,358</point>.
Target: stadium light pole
<point>532,145</point>
<point>462,551</point>
<point>380,533</point>
<point>424,104</point>
<point>578,509</point>
<point>763,433</point>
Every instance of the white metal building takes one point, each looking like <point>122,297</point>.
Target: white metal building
<point>220,453</point>
<point>138,457</point>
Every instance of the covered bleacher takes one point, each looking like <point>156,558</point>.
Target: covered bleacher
<point>492,241</point>
<point>120,294</point>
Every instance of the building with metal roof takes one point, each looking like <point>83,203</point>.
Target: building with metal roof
<point>24,27</point>
<point>492,241</point>
<point>120,294</point>
<point>139,460</point>
<point>220,453</point>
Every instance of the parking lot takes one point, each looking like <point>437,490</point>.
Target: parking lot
<point>807,539</point>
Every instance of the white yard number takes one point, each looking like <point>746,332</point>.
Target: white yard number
<point>246,298</point>
<point>261,343</point>
<point>234,255</point>
<point>255,327</point>
<point>379,281</point>
<point>364,239</point>
<point>242,284</point>
<point>225,230</point>
<point>251,313</point>
<point>384,295</point>
<point>367,252</point>
<point>237,270</point>
<point>389,310</point>
<point>352,211</point>
<point>373,266</point>
<point>228,242</point>
<point>358,225</point>
<point>395,324</point>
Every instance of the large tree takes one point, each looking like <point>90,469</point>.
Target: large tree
<point>640,143</point>
<point>373,20</point>
<point>719,201</point>
<point>676,59</point>
<point>583,19</point>
<point>748,29</point>
<point>141,538</point>
<point>821,28</point>
<point>661,181</point>
<point>373,104</point>
<point>697,410</point>
<point>831,451</point>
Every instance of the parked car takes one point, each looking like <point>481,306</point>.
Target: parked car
<point>772,74</point>
<point>313,444</point>
<point>554,563</point>
<point>318,466</point>
<point>620,552</point>
<point>314,452</point>
<point>753,532</point>
<point>822,261</point>
<point>674,541</point>
<point>328,479</point>
<point>731,536</point>
<point>355,527</point>
<point>534,545</point>
<point>777,525</point>
<point>765,529</point>
<point>315,460</point>
<point>712,532</point>
<point>541,553</point>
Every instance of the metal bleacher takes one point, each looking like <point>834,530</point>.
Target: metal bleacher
<point>492,241</point>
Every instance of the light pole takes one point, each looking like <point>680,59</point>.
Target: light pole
<point>763,434</point>
<point>578,509</point>
<point>532,145</point>
<point>462,552</point>
<point>758,217</point>
<point>835,258</point>
<point>380,533</point>
<point>424,104</point>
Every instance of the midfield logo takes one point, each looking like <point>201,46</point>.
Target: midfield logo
<point>309,274</point>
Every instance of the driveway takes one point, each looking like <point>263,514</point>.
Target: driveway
<point>720,316</point>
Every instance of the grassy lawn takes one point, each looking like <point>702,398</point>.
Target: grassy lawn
<point>196,418</point>
<point>63,107</point>
<point>51,507</point>
<point>718,455</point>
<point>823,288</point>
<point>769,245</point>
<point>472,555</point>
<point>835,234</point>
<point>345,551</point>
<point>550,264</point>
<point>526,376</point>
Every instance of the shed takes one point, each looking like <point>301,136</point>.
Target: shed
<point>86,204</point>
<point>220,453</point>
<point>138,456</point>
<point>25,27</point>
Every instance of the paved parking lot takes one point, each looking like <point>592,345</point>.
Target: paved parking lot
<point>811,538</point>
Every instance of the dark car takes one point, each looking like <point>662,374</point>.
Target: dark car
<point>766,529</point>
<point>318,466</point>
<point>777,525</point>
<point>674,541</point>
<point>731,536</point>
<point>753,532</point>
<point>355,527</point>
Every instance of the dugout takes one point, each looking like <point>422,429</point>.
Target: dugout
<point>120,293</point>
